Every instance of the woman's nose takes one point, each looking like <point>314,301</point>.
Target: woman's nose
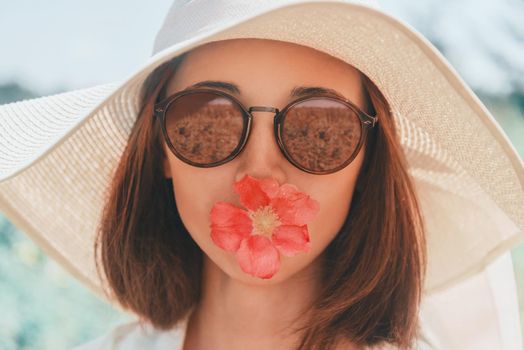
<point>261,157</point>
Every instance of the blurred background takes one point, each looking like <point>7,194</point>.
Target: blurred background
<point>58,45</point>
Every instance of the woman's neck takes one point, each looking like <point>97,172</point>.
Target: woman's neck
<point>235,315</point>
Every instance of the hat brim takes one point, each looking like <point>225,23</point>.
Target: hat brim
<point>58,152</point>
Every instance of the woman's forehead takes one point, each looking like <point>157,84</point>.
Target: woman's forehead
<point>279,56</point>
<point>259,66</point>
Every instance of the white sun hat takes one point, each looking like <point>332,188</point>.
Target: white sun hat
<point>57,153</point>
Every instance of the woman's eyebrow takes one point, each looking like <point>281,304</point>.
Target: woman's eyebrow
<point>297,91</point>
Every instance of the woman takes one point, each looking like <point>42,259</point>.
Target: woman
<point>300,232</point>
<point>380,248</point>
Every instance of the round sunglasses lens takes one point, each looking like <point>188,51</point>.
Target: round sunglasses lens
<point>204,128</point>
<point>321,134</point>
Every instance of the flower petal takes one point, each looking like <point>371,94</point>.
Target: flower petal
<point>229,225</point>
<point>258,257</point>
<point>270,187</point>
<point>294,207</point>
<point>227,214</point>
<point>291,240</point>
<point>255,193</point>
<point>226,239</point>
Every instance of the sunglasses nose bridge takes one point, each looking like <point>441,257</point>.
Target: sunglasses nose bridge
<point>260,150</point>
<point>276,111</point>
<point>273,110</point>
<point>262,109</point>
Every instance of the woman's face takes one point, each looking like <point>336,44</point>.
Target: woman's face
<point>265,71</point>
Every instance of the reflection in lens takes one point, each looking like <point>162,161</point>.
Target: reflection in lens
<point>204,127</point>
<point>321,134</point>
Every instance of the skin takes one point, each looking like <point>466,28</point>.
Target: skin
<point>258,311</point>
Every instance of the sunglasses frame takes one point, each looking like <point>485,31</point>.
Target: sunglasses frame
<point>366,122</point>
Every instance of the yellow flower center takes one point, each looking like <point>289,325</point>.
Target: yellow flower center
<point>264,221</point>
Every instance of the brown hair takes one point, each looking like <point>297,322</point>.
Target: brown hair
<point>373,270</point>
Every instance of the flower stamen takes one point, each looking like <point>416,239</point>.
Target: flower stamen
<point>264,221</point>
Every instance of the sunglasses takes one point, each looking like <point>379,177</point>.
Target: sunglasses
<point>318,134</point>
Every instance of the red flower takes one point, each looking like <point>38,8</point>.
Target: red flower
<point>273,224</point>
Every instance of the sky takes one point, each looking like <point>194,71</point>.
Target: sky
<point>63,45</point>
<point>483,39</point>
<point>59,45</point>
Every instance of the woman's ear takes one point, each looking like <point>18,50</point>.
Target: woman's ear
<point>166,167</point>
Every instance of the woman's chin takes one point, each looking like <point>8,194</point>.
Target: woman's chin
<point>288,267</point>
